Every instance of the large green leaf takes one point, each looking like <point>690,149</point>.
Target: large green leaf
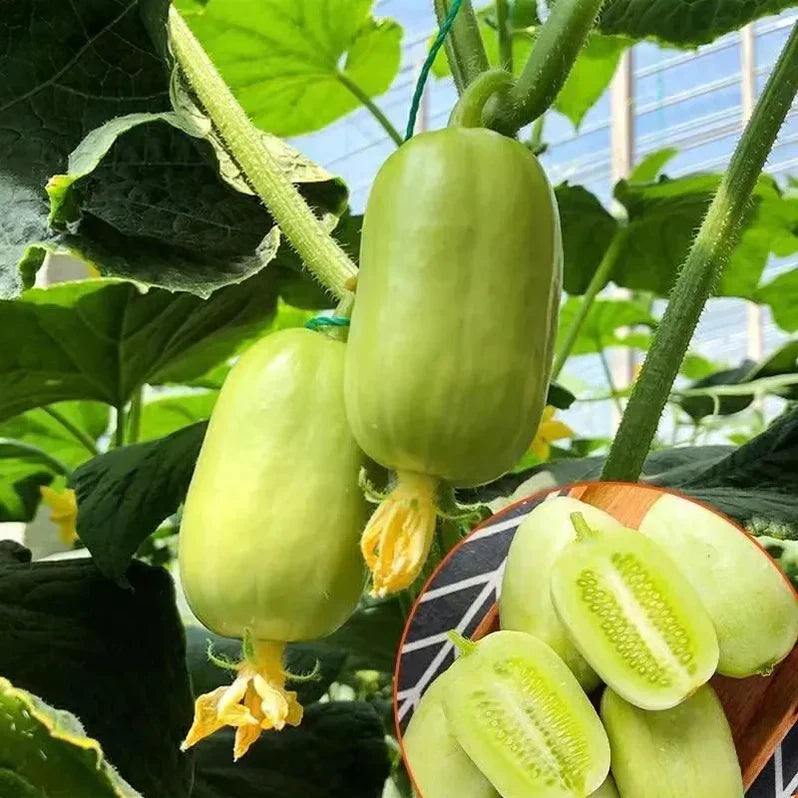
<point>37,447</point>
<point>781,294</point>
<point>115,658</point>
<point>297,65</point>
<point>123,495</point>
<point>604,319</point>
<point>101,339</point>
<point>49,752</point>
<point>587,230</point>
<point>164,416</point>
<point>684,22</point>
<point>339,751</point>
<point>143,198</point>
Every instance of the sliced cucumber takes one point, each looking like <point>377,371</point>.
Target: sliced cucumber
<point>525,601</point>
<point>753,608</point>
<point>634,616</point>
<point>521,716</point>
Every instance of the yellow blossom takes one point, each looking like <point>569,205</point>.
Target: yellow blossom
<point>63,512</point>
<point>256,701</point>
<point>548,432</point>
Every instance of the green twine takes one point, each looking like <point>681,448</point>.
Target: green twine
<point>422,78</point>
<point>327,321</point>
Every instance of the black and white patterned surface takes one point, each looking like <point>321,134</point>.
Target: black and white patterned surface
<point>460,595</point>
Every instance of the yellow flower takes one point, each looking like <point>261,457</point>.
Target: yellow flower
<point>63,512</point>
<point>548,432</point>
<point>256,701</point>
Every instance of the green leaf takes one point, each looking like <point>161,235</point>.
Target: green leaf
<point>684,22</point>
<point>781,294</point>
<point>114,658</point>
<point>146,199</point>
<point>44,449</point>
<point>125,494</point>
<point>604,318</point>
<point>338,751</point>
<point>291,64</point>
<point>49,748</point>
<point>649,169</point>
<point>559,397</point>
<point>587,229</point>
<point>101,339</point>
<point>590,76</point>
<point>161,417</point>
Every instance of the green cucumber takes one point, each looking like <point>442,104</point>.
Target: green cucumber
<point>684,752</point>
<point>521,716</point>
<point>439,767</point>
<point>607,790</point>
<point>634,616</point>
<point>525,600</point>
<point>269,535</point>
<point>754,609</point>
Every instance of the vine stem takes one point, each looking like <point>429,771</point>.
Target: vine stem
<point>134,416</point>
<point>358,92</point>
<point>468,110</point>
<point>73,430</point>
<point>597,282</point>
<point>556,48</point>
<point>505,35</point>
<point>320,253</point>
<point>121,421</point>
<point>708,257</point>
<point>605,365</point>
<point>464,47</point>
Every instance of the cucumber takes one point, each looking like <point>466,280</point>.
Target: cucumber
<point>633,616</point>
<point>439,767</point>
<point>607,790</point>
<point>684,752</point>
<point>753,608</point>
<point>520,715</point>
<point>525,600</point>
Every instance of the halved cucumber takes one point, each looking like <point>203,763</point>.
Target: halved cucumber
<point>525,601</point>
<point>607,790</point>
<point>684,752</point>
<point>521,716</point>
<point>753,608</point>
<point>439,767</point>
<point>633,616</point>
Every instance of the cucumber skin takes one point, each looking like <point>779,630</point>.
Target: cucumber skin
<point>753,608</point>
<point>682,752</point>
<point>455,318</point>
<point>269,536</point>
<point>473,671</point>
<point>607,790</point>
<point>525,603</point>
<point>440,768</point>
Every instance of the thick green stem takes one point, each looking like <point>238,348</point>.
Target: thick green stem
<point>704,265</point>
<point>597,282</point>
<point>134,417</point>
<point>119,432</point>
<point>465,49</point>
<point>504,34</point>
<point>355,89</point>
<point>77,433</point>
<point>556,48</point>
<point>320,253</point>
<point>468,110</point>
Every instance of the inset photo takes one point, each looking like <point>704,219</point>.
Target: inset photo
<point>602,639</point>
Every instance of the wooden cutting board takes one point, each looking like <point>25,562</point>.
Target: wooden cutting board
<point>761,710</point>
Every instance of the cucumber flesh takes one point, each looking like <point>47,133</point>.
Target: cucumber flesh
<point>753,608</point>
<point>525,601</point>
<point>439,767</point>
<point>521,716</point>
<point>684,752</point>
<point>607,790</point>
<point>634,617</point>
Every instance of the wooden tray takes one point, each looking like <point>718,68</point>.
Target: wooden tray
<point>761,710</point>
